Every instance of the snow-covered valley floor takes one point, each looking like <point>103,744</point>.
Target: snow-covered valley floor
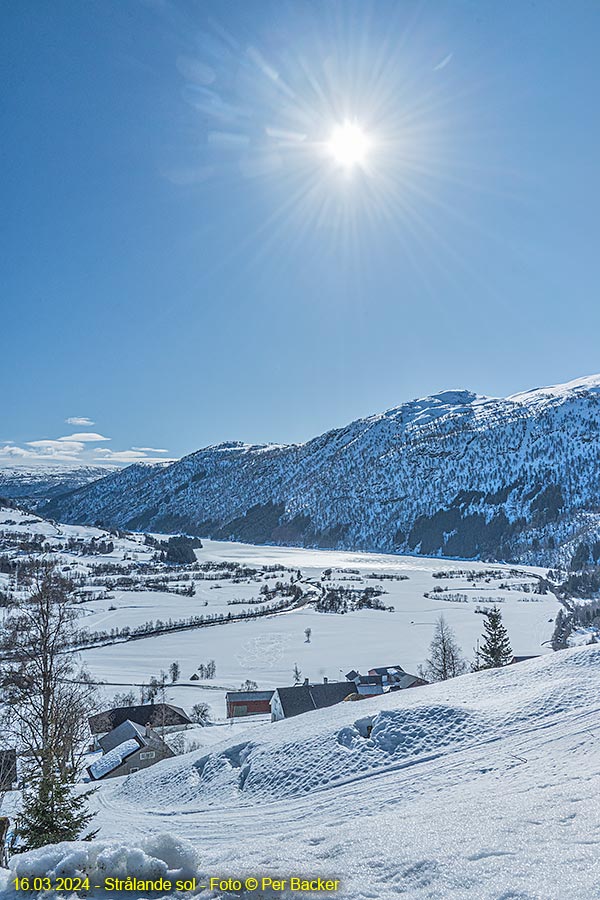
<point>267,649</point>
<point>484,787</point>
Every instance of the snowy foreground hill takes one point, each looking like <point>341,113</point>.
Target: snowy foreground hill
<point>455,474</point>
<point>484,787</point>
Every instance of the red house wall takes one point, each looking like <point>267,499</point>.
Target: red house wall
<point>253,707</point>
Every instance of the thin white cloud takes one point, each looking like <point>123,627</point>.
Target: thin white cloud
<point>11,451</point>
<point>85,436</point>
<point>43,451</point>
<point>60,446</point>
<point>119,455</point>
<point>79,420</point>
<point>149,450</point>
<point>195,71</point>
<point>127,456</point>
<point>76,448</point>
<point>443,63</point>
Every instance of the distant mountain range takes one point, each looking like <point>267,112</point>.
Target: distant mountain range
<point>33,485</point>
<point>455,474</point>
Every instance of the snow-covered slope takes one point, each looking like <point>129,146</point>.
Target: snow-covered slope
<point>482,787</point>
<point>32,485</point>
<point>454,474</point>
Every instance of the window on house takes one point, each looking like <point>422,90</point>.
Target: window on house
<point>150,754</point>
<point>133,769</point>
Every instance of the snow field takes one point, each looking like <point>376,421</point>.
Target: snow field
<point>265,650</point>
<point>484,787</point>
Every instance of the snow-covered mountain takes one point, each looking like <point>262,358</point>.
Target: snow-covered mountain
<point>454,474</point>
<point>32,485</point>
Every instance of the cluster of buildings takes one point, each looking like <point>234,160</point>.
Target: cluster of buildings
<point>285,702</point>
<point>131,738</point>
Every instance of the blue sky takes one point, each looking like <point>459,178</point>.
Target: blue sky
<point>184,262</point>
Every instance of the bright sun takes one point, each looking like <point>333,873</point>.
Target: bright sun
<point>349,145</point>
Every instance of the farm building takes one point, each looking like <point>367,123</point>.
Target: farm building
<point>248,703</point>
<point>389,674</point>
<point>382,679</point>
<point>368,685</point>
<point>394,678</point>
<point>164,716</point>
<point>127,749</point>
<point>293,701</point>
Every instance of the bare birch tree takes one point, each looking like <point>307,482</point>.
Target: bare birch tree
<point>445,657</point>
<point>46,697</point>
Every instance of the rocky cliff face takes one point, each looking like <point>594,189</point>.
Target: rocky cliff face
<point>454,474</point>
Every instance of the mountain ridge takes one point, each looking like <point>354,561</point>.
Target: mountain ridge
<point>38,483</point>
<point>456,474</point>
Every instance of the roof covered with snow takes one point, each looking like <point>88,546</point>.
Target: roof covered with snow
<point>113,759</point>
<point>387,670</point>
<point>123,732</point>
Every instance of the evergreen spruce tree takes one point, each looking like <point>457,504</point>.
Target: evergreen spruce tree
<point>563,627</point>
<point>52,813</point>
<point>495,650</point>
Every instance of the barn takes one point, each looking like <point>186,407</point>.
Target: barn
<point>248,703</point>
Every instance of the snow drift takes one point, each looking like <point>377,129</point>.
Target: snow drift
<point>160,856</point>
<point>485,786</point>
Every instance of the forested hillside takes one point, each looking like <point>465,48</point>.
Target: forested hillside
<point>455,474</point>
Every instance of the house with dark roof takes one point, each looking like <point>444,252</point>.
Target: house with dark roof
<point>388,673</point>
<point>161,716</point>
<point>123,732</point>
<point>127,749</point>
<point>293,701</point>
<point>394,678</point>
<point>248,703</point>
<point>383,679</point>
<point>366,685</point>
